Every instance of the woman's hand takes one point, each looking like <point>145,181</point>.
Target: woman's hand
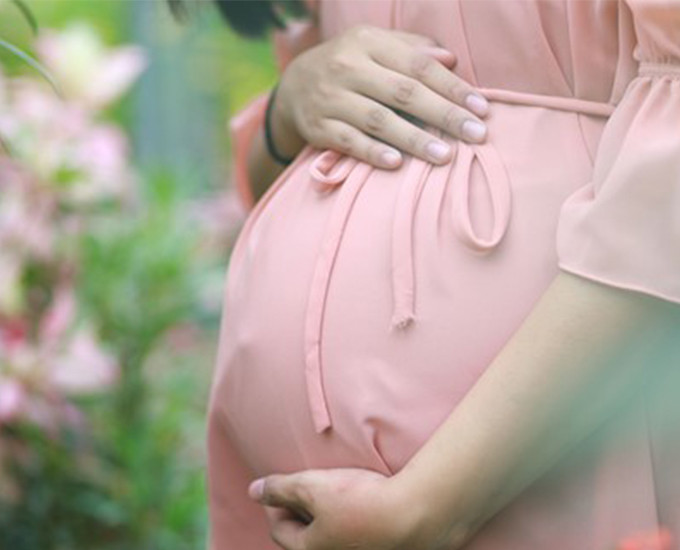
<point>345,90</point>
<point>346,508</point>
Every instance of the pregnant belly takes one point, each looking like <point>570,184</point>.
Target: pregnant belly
<point>362,304</point>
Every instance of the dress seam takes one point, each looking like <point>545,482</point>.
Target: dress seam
<point>466,43</point>
<point>591,155</point>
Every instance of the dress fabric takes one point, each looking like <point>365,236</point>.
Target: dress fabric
<point>362,304</point>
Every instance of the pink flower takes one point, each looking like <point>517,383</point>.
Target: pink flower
<point>83,367</point>
<point>12,399</point>
<point>101,158</point>
<point>12,333</point>
<point>59,317</point>
<point>26,227</point>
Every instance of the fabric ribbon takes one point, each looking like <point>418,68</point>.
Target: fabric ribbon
<point>336,172</point>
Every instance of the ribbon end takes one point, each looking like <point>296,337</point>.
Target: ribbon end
<point>321,425</point>
<point>401,321</point>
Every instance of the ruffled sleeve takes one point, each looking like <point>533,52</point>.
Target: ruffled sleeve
<point>245,123</point>
<point>623,228</point>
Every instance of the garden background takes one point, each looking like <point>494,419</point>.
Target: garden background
<point>116,220</point>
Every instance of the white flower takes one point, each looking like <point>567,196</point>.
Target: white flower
<point>85,69</point>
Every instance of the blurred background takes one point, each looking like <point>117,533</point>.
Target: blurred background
<point>117,217</point>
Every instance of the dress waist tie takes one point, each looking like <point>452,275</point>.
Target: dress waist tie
<point>331,169</point>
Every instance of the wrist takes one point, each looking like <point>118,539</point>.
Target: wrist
<point>432,520</point>
<point>286,139</point>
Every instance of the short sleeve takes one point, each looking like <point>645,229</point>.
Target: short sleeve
<point>245,123</point>
<point>623,227</point>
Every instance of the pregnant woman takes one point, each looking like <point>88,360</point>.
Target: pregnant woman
<point>465,353</point>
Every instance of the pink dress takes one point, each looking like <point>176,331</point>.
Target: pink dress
<point>362,304</point>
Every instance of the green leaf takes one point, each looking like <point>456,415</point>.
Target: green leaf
<point>32,62</point>
<point>27,13</point>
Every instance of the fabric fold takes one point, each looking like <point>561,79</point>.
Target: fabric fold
<point>338,172</point>
<point>623,227</point>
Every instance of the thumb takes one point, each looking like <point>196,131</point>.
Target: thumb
<point>282,490</point>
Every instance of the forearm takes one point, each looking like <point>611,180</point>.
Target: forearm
<point>263,169</point>
<point>560,377</point>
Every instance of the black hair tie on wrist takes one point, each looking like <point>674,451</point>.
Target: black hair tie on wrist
<point>268,131</point>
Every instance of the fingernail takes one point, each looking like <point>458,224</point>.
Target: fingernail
<point>447,52</point>
<point>439,50</point>
<point>477,103</point>
<point>256,489</point>
<point>390,158</point>
<point>474,130</point>
<point>437,150</point>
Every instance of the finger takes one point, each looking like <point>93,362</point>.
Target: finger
<point>415,39</point>
<point>287,490</point>
<point>380,37</point>
<point>281,514</point>
<point>415,98</point>
<point>383,123</point>
<point>341,136</point>
<point>420,66</point>
<point>442,55</point>
<point>278,514</point>
<point>292,512</point>
<point>285,529</point>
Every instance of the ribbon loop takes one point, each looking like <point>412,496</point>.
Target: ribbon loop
<point>498,184</point>
<point>331,167</point>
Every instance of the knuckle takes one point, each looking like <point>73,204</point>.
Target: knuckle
<point>415,141</point>
<point>362,31</point>
<point>305,494</point>
<point>377,119</point>
<point>457,90</point>
<point>451,120</point>
<point>404,91</point>
<point>345,141</point>
<point>421,64</point>
<point>339,65</point>
<point>325,92</point>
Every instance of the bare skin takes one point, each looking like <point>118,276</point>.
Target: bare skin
<point>343,92</point>
<point>367,92</point>
<point>559,378</point>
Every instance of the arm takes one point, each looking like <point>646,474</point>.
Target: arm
<point>588,346</point>
<point>575,360</point>
<point>559,378</point>
<point>254,169</point>
<point>584,351</point>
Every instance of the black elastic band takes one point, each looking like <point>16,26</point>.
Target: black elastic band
<point>268,132</point>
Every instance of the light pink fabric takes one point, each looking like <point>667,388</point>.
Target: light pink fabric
<point>362,304</point>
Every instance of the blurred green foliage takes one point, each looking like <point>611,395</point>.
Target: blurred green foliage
<point>135,479</point>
